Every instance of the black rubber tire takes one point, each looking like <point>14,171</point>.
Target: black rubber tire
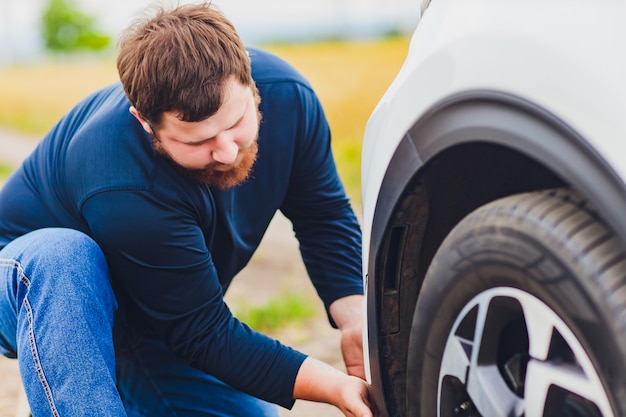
<point>547,244</point>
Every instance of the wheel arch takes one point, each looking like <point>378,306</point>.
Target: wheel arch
<point>466,151</point>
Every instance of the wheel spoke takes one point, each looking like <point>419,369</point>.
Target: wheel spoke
<point>455,358</point>
<point>490,394</point>
<point>485,386</point>
<point>539,326</point>
<point>542,376</point>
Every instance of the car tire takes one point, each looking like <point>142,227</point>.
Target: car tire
<point>522,313</point>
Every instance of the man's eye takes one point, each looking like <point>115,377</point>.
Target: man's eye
<point>202,142</point>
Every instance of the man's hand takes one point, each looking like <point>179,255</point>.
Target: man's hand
<point>347,314</point>
<point>355,401</point>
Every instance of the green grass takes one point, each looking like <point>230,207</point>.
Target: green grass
<point>288,308</point>
<point>349,77</point>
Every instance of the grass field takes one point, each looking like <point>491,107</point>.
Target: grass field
<point>349,77</point>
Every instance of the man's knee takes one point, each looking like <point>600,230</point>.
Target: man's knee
<point>59,248</point>
<point>62,242</point>
<point>61,257</point>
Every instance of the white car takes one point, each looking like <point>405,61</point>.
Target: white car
<point>494,214</point>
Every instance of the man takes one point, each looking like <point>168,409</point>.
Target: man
<point>152,195</point>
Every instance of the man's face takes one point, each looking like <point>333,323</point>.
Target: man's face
<point>218,151</point>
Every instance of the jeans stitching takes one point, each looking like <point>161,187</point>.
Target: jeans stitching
<point>33,350</point>
<point>31,337</point>
<point>13,263</point>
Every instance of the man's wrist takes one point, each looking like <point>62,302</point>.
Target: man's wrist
<point>347,311</point>
<point>309,386</point>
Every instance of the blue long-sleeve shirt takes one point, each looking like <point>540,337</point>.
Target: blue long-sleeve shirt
<point>173,245</point>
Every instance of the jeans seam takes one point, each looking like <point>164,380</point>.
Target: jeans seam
<point>31,337</point>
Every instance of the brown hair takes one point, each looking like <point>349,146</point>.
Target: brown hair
<point>178,61</point>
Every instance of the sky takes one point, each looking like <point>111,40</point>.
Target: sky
<point>257,21</point>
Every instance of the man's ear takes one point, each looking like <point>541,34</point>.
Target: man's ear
<point>144,124</point>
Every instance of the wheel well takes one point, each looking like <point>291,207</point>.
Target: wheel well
<point>468,176</point>
<point>446,189</point>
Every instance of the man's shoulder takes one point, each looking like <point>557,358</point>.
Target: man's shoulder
<point>270,68</point>
<point>100,143</point>
<point>105,97</point>
<point>100,118</point>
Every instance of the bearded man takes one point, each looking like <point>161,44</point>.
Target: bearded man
<point>123,229</point>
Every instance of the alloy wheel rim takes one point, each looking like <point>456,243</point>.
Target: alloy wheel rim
<point>508,353</point>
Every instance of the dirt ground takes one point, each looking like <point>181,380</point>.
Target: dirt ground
<point>275,268</point>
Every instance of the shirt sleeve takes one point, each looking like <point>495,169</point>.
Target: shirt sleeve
<point>316,203</point>
<point>160,265</point>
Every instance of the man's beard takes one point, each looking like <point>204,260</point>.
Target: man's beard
<point>216,174</point>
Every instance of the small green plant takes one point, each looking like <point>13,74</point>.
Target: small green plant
<point>67,29</point>
<point>286,309</point>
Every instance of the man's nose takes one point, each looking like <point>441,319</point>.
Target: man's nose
<point>225,150</point>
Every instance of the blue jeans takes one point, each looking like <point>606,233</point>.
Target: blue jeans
<point>57,313</point>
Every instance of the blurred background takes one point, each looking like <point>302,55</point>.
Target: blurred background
<point>54,52</point>
<point>257,21</point>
